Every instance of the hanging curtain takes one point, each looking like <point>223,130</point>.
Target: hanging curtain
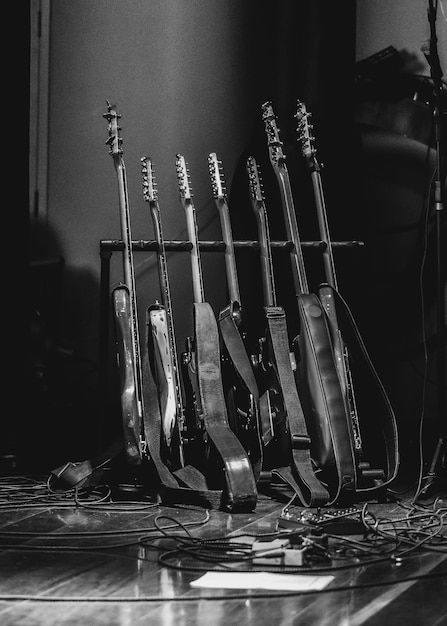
<point>302,50</point>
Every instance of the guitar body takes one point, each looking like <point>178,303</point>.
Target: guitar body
<point>197,451</point>
<point>273,414</point>
<point>215,450</point>
<point>373,426</point>
<point>241,405</point>
<point>235,468</point>
<point>322,394</point>
<point>240,386</point>
<point>126,365</point>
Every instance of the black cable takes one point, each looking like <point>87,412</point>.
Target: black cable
<point>228,596</point>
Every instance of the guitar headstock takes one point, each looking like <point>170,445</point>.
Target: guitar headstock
<point>183,179</point>
<point>255,183</point>
<point>150,192</point>
<point>217,177</point>
<point>114,141</point>
<point>304,129</point>
<point>277,156</point>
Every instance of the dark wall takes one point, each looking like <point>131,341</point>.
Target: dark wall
<point>297,59</point>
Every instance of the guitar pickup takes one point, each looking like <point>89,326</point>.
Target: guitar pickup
<point>292,361</point>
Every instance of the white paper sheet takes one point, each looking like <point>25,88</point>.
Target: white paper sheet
<point>262,580</point>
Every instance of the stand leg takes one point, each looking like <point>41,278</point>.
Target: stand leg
<point>436,481</point>
<point>436,478</point>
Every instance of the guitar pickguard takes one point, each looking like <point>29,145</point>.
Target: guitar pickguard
<point>163,371</point>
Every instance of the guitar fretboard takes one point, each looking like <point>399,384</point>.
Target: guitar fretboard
<point>306,140</point>
<point>258,205</point>
<point>192,228</point>
<point>219,192</point>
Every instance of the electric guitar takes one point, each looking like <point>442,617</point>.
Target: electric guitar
<point>274,426</point>
<point>307,143</point>
<point>125,311</point>
<point>163,345</point>
<point>317,374</point>
<point>240,386</point>
<point>223,460</point>
<point>375,466</point>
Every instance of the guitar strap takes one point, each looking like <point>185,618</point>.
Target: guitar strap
<point>301,476</point>
<point>186,485</point>
<point>332,445</point>
<point>241,485</point>
<point>238,354</point>
<point>87,473</point>
<point>384,417</point>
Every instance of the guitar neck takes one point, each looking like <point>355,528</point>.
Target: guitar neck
<point>196,264</point>
<point>299,270</point>
<point>259,208</point>
<point>164,285</point>
<point>161,257</point>
<point>128,265</point>
<point>230,259</point>
<point>126,235</point>
<point>328,257</point>
<point>326,296</point>
<point>278,161</point>
<point>192,228</point>
<point>268,280</point>
<point>307,141</point>
<point>151,196</point>
<point>218,185</point>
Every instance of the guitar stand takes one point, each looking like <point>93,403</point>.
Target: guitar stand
<point>435,481</point>
<point>108,246</point>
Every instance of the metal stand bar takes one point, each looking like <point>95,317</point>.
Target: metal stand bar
<point>150,245</point>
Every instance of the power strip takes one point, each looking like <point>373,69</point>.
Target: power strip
<point>332,521</point>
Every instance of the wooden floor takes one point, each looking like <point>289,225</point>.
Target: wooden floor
<point>67,558</point>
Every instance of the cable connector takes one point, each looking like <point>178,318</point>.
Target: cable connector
<point>295,557</point>
<point>316,537</point>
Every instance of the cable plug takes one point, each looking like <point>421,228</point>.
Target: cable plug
<point>316,537</point>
